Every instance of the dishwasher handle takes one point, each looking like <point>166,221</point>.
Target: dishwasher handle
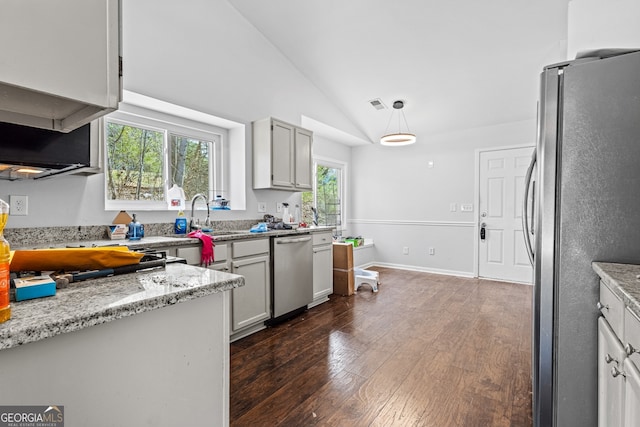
<point>296,240</point>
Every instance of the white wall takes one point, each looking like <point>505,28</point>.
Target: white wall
<point>199,54</point>
<point>399,201</point>
<point>596,24</point>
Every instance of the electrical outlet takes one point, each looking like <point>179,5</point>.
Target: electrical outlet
<point>405,250</point>
<point>432,251</point>
<point>466,207</point>
<point>278,207</point>
<point>18,205</point>
<point>262,207</point>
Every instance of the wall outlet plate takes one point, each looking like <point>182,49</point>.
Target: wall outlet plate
<point>18,205</point>
<point>278,207</point>
<point>466,207</point>
<point>262,207</point>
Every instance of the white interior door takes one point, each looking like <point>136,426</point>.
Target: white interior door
<point>502,253</point>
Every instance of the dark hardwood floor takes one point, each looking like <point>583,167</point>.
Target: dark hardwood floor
<point>426,350</point>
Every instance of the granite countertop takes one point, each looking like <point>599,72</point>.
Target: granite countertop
<point>171,241</point>
<point>623,280</point>
<point>97,301</point>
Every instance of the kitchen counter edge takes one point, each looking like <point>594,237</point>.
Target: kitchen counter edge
<point>175,240</point>
<point>97,301</point>
<point>623,280</point>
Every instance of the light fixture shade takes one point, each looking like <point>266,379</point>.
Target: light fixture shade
<point>398,139</point>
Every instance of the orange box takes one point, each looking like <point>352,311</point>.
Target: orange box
<point>343,256</point>
<point>343,282</point>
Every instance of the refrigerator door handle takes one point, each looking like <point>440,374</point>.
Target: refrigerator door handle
<point>525,207</point>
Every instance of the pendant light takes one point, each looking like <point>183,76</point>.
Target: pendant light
<point>400,138</point>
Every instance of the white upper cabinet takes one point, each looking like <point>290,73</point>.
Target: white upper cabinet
<point>60,61</point>
<point>281,156</point>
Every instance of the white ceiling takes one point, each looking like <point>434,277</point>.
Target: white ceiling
<point>456,64</point>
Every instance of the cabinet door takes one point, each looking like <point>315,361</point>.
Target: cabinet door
<point>631,395</point>
<point>303,170</point>
<point>220,266</point>
<point>60,64</point>
<point>610,388</point>
<point>322,271</point>
<point>282,149</point>
<point>251,303</point>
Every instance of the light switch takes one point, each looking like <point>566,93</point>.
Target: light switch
<point>452,207</point>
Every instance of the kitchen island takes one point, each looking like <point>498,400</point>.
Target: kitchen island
<point>147,348</point>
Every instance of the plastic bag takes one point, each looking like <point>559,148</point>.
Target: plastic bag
<point>259,228</point>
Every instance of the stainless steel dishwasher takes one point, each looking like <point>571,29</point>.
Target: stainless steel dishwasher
<point>292,281</point>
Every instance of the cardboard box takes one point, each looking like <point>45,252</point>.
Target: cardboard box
<point>343,256</point>
<point>34,287</point>
<point>343,282</point>
<point>118,230</point>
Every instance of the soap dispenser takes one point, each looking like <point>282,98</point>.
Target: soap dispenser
<point>136,230</point>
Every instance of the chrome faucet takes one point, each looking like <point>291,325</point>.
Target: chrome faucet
<point>193,223</point>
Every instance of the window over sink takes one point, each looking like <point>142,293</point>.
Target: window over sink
<point>328,194</point>
<point>148,151</point>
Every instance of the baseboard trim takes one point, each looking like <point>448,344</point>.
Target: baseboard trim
<point>422,269</point>
<point>414,223</point>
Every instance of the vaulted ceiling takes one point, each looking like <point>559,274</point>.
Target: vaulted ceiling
<point>456,64</point>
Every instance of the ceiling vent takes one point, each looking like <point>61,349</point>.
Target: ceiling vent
<point>377,104</point>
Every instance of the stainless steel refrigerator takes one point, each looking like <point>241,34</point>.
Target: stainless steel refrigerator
<point>582,205</point>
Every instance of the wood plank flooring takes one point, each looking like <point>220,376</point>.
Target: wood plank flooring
<point>426,350</point>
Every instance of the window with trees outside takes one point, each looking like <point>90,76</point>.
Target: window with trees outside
<point>327,195</point>
<point>147,156</point>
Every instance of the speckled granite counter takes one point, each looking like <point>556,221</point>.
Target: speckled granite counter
<point>623,280</point>
<point>165,241</point>
<point>98,301</point>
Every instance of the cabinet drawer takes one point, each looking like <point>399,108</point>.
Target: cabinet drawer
<point>632,335</point>
<point>250,247</point>
<point>220,252</point>
<point>322,238</point>
<point>613,309</point>
<point>189,253</point>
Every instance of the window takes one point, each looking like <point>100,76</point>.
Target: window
<point>189,165</point>
<point>327,196</point>
<point>134,162</point>
<point>148,152</point>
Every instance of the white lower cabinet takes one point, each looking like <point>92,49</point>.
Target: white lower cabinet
<point>631,395</point>
<point>190,253</point>
<point>251,303</point>
<point>221,259</point>
<point>618,358</point>
<point>322,267</point>
<point>610,388</point>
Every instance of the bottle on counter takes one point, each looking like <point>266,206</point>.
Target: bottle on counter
<point>180,226</point>
<point>5,307</point>
<point>136,231</point>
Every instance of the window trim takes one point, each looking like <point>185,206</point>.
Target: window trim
<point>169,125</point>
<point>344,168</point>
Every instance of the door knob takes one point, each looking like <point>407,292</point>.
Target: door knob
<point>629,349</point>
<point>615,372</point>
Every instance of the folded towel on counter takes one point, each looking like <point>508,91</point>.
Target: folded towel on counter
<point>207,255</point>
